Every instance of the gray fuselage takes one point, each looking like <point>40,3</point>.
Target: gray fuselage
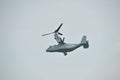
<point>63,47</point>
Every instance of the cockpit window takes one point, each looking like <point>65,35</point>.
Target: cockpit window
<point>50,46</point>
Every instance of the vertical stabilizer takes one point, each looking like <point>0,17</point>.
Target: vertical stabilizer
<point>84,42</point>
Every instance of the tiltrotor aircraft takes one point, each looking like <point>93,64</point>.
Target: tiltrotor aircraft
<point>65,47</point>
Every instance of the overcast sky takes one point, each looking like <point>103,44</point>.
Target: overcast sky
<point>22,48</point>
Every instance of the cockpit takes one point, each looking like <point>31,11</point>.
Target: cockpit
<point>50,46</point>
<point>54,46</point>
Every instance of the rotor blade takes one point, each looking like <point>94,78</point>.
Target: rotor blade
<point>59,27</point>
<point>47,34</point>
<point>60,33</point>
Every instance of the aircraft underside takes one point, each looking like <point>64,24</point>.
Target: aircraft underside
<point>62,46</point>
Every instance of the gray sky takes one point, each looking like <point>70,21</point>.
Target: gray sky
<point>22,49</point>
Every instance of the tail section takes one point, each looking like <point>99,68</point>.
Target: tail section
<point>84,42</point>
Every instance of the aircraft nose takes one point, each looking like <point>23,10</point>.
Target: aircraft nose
<point>47,50</point>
